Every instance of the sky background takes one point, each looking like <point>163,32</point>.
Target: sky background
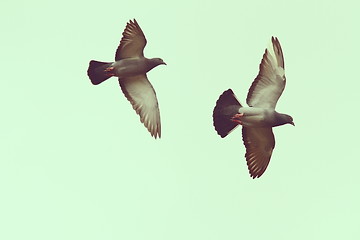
<point>76,163</point>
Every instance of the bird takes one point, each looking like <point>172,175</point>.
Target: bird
<point>130,66</point>
<point>258,119</point>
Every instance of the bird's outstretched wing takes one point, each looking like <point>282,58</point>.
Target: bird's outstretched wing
<point>132,42</point>
<point>139,91</point>
<point>270,82</point>
<point>259,143</point>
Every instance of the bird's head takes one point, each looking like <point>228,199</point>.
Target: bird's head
<point>153,62</point>
<point>290,120</point>
<point>282,119</point>
<point>158,61</point>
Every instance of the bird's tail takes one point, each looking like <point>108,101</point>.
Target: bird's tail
<point>97,73</point>
<point>226,107</point>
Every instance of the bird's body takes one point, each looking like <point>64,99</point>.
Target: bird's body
<point>130,66</point>
<point>260,116</point>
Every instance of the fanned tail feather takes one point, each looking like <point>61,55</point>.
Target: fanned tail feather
<point>97,73</point>
<point>226,107</point>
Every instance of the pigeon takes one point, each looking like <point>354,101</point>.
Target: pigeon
<point>130,67</point>
<point>260,117</point>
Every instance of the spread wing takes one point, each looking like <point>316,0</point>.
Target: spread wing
<point>270,82</point>
<point>139,91</point>
<point>132,43</point>
<point>259,143</point>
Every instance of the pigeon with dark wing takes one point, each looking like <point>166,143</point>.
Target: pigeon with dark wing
<point>130,67</point>
<point>260,117</point>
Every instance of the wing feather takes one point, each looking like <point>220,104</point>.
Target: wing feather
<point>132,43</point>
<point>269,84</point>
<point>141,94</point>
<point>259,143</point>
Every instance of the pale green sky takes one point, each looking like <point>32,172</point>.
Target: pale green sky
<point>76,163</point>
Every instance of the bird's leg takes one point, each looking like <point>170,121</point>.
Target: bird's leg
<point>109,71</point>
<point>236,118</point>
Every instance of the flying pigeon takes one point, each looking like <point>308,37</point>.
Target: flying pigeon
<point>130,67</point>
<point>260,117</point>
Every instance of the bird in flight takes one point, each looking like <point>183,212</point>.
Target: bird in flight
<point>130,67</point>
<point>260,117</point>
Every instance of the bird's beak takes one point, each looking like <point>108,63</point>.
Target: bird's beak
<point>292,123</point>
<point>164,63</point>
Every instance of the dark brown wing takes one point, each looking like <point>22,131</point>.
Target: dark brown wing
<point>132,43</point>
<point>259,143</point>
